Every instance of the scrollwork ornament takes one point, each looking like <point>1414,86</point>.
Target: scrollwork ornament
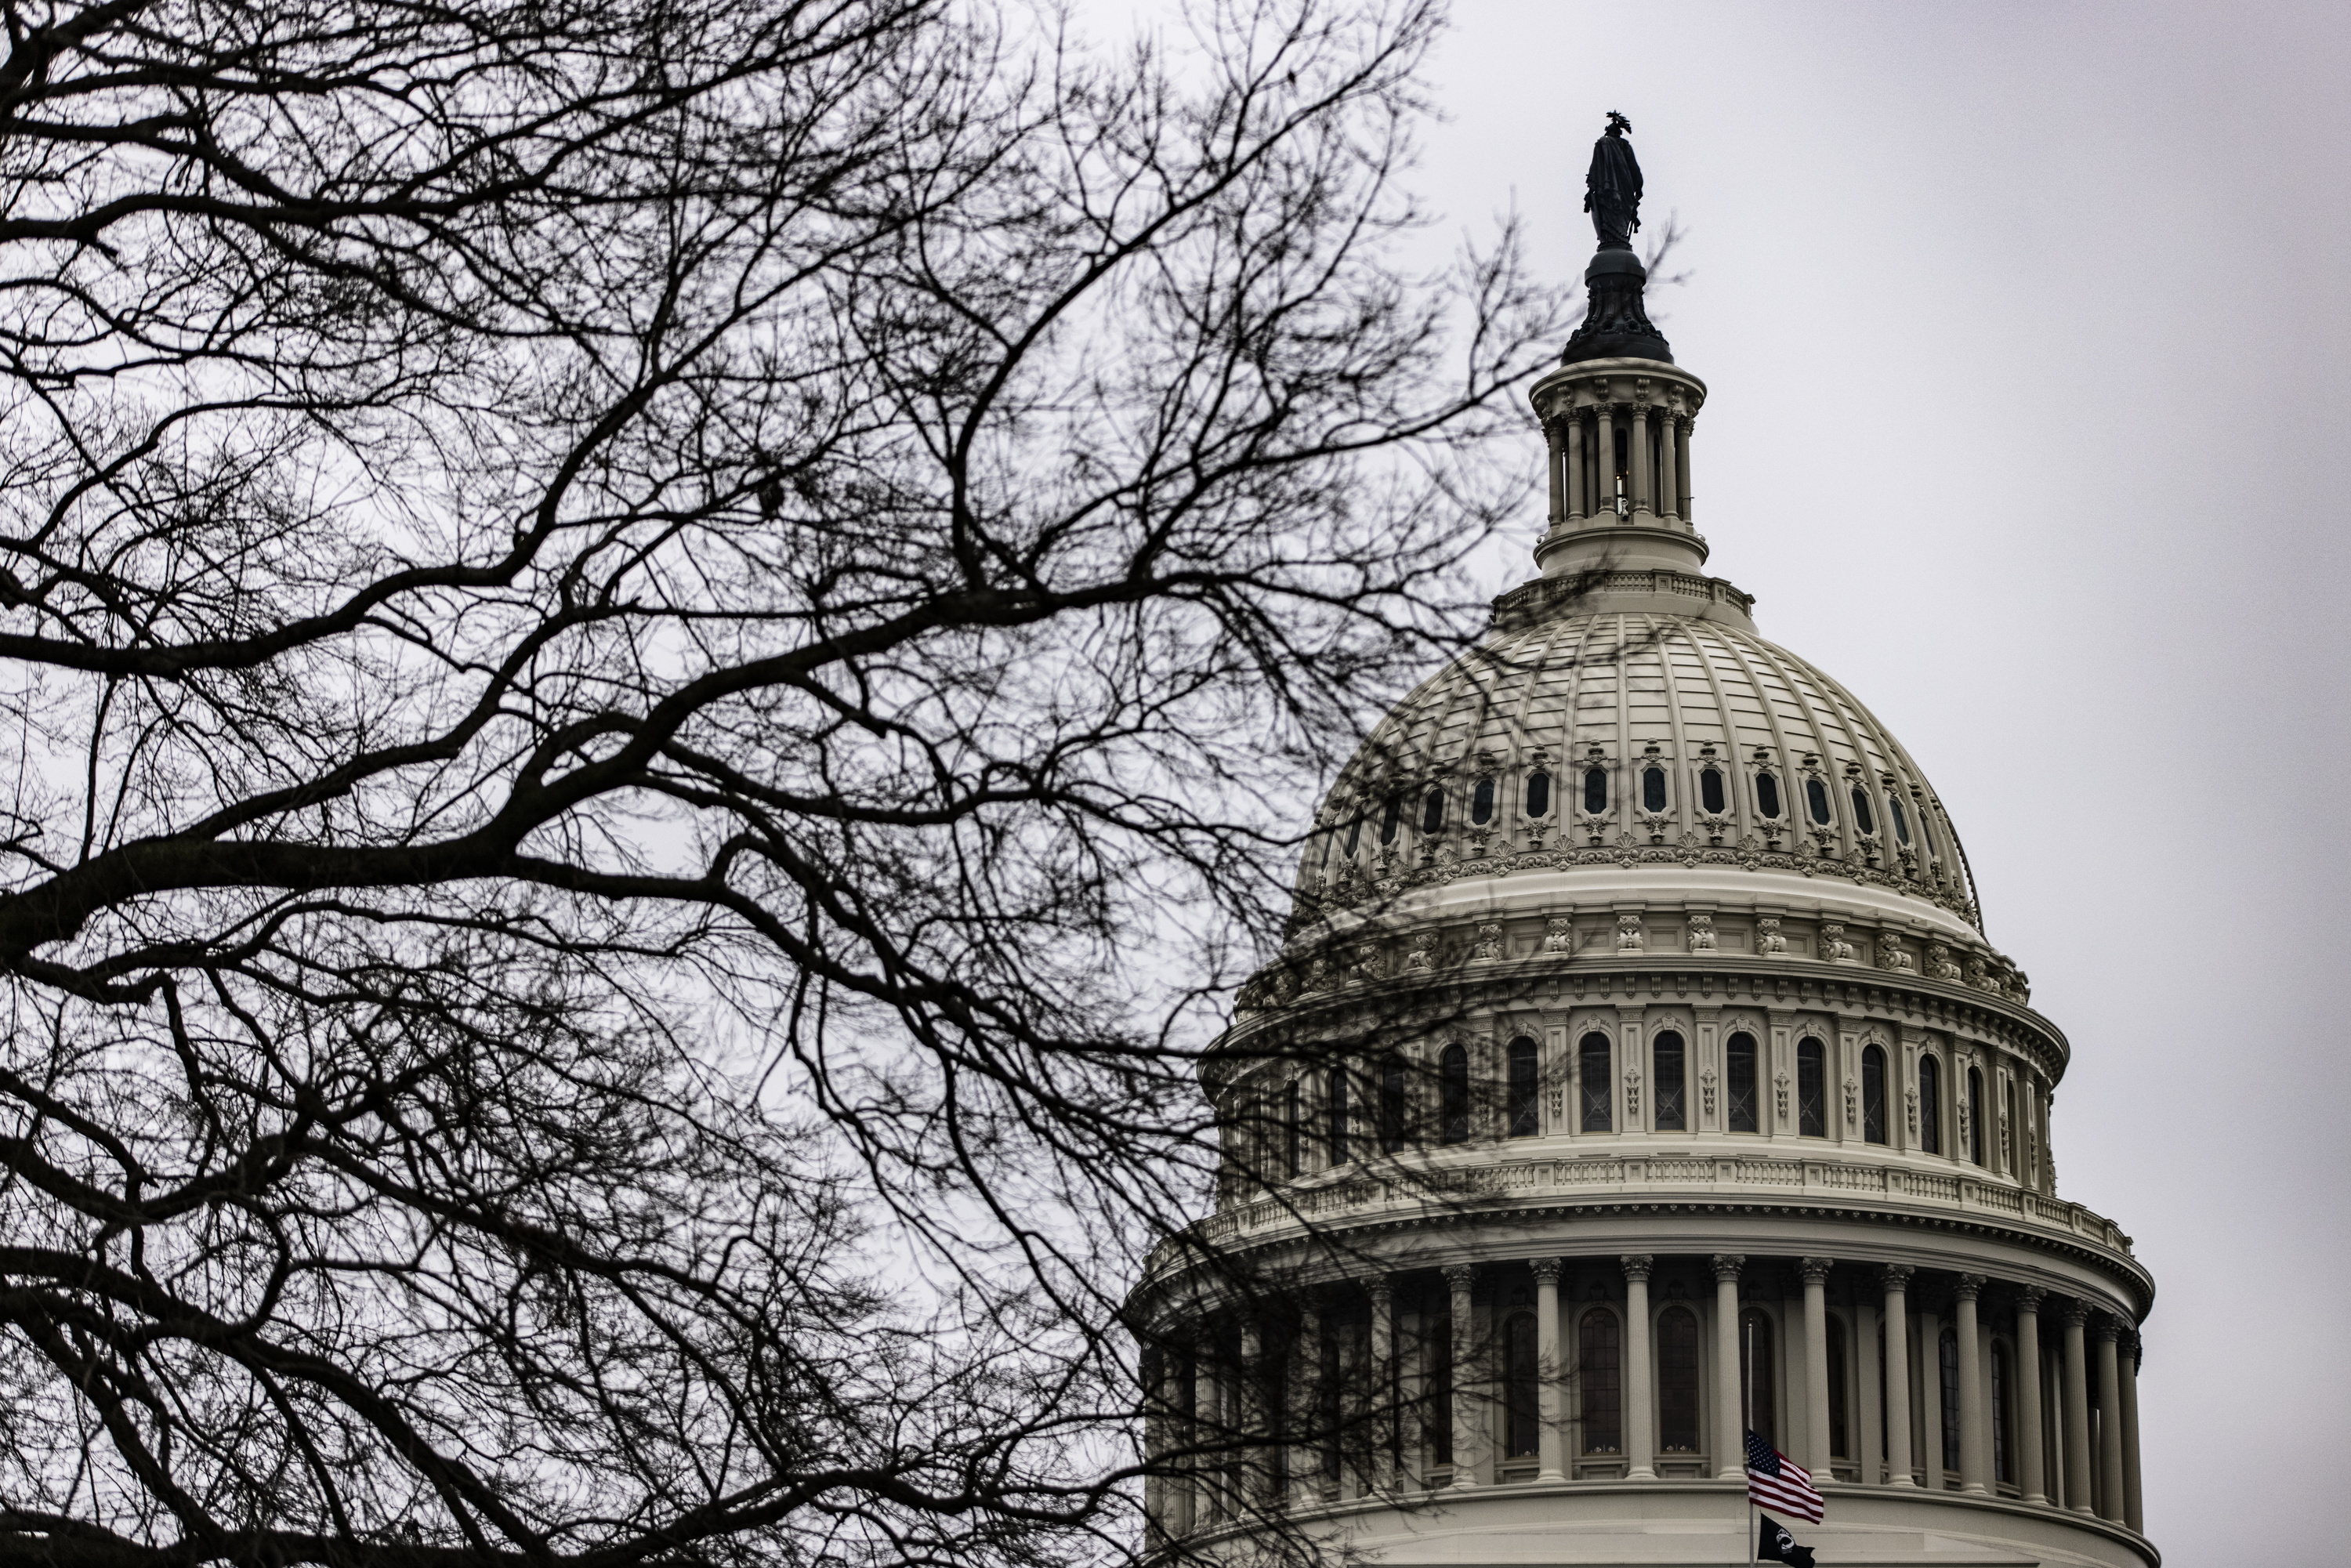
<point>1702,933</point>
<point>1559,936</point>
<point>1768,940</point>
<point>1628,933</point>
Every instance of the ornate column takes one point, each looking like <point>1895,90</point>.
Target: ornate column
<point>1730,1424</point>
<point>1208,1437</point>
<point>1604,486</point>
<point>1463,1414</point>
<point>1381,1289</point>
<point>1578,464</point>
<point>1815,1273</point>
<point>1636,460</point>
<point>1973,1448</point>
<point>1253,1485</point>
<point>2134,1510</point>
<point>1669,484</point>
<point>1865,1345</point>
<point>2032,1467</point>
<point>2110,1421</point>
<point>1556,450</point>
<point>2077,1411</point>
<point>1681,465</point>
<point>1930,1395</point>
<point>1897,1377</point>
<point>1156,1525</point>
<point>1306,1385</point>
<point>1549,1368</point>
<point>1640,1372</point>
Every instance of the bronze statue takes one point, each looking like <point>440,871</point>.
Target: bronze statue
<point>1611,189</point>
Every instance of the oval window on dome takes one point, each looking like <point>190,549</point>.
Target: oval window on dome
<point>1767,795</point>
<point>1595,790</point>
<point>1432,812</point>
<point>1355,834</point>
<point>1710,791</point>
<point>1481,804</point>
<point>1860,813</point>
<point>1653,789</point>
<point>1538,794</point>
<point>1816,796</point>
<point>1390,818</point>
<point>1901,820</point>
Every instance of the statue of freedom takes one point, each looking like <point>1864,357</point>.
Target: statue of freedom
<point>1612,190</point>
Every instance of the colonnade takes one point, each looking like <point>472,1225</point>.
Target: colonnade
<point>1230,1416</point>
<point>1585,481</point>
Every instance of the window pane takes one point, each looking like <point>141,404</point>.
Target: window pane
<point>1432,812</point>
<point>1525,1107</point>
<point>1816,796</point>
<point>1354,832</point>
<point>1930,1104</point>
<point>1812,1089</point>
<point>1601,1366</point>
<point>1595,790</point>
<point>1709,791</point>
<point>1740,1061</point>
<point>1901,820</point>
<point>1453,1087</point>
<point>1538,794</point>
<point>1672,1102</point>
<point>1872,1096</point>
<point>1767,795</point>
<point>1861,817</point>
<point>1481,804</point>
<point>1653,789</point>
<point>1592,1075</point>
<point>1523,1419</point>
<point>1678,1381</point>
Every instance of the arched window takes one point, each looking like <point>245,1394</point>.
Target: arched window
<point>1293,1128</point>
<point>1653,789</point>
<point>1522,1415</point>
<point>1525,1108</point>
<point>1710,791</point>
<point>1600,1366</point>
<point>1392,1105</point>
<point>1390,818</point>
<point>1595,790</point>
<point>1339,1116</point>
<point>1739,1062</point>
<point>1678,1381</point>
<point>1816,797</point>
<point>1755,1373</point>
<point>1432,812</point>
<point>1999,1468</point>
<point>1946,1361</point>
<point>1901,820</point>
<point>1436,1354</point>
<point>1538,794</point>
<point>1840,1443</point>
<point>1670,1099</point>
<point>1930,1103</point>
<point>1481,804</point>
<point>1872,1094</point>
<point>1975,1116</point>
<point>1861,818</point>
<point>1767,796</point>
<point>1453,1091</point>
<point>1593,1079</point>
<point>1812,1087</point>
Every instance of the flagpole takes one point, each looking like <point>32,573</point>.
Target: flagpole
<point>1747,1399</point>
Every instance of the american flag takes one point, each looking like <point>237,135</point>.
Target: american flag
<point>1775,1481</point>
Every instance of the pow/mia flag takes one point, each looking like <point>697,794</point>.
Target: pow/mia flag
<point>1778,1546</point>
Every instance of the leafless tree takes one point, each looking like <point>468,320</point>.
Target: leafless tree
<point>663,654</point>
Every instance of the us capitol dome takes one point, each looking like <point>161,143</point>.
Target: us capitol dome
<point>1638,1071</point>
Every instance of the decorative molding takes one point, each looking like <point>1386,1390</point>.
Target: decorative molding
<point>1701,934</point>
<point>1636,1265</point>
<point>1726,1266</point>
<point>1769,942</point>
<point>1968,1287</point>
<point>1895,1277</point>
<point>1546,1271</point>
<point>1814,1270</point>
<point>1628,933</point>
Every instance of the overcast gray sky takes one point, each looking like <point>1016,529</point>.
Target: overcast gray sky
<point>2026,335</point>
